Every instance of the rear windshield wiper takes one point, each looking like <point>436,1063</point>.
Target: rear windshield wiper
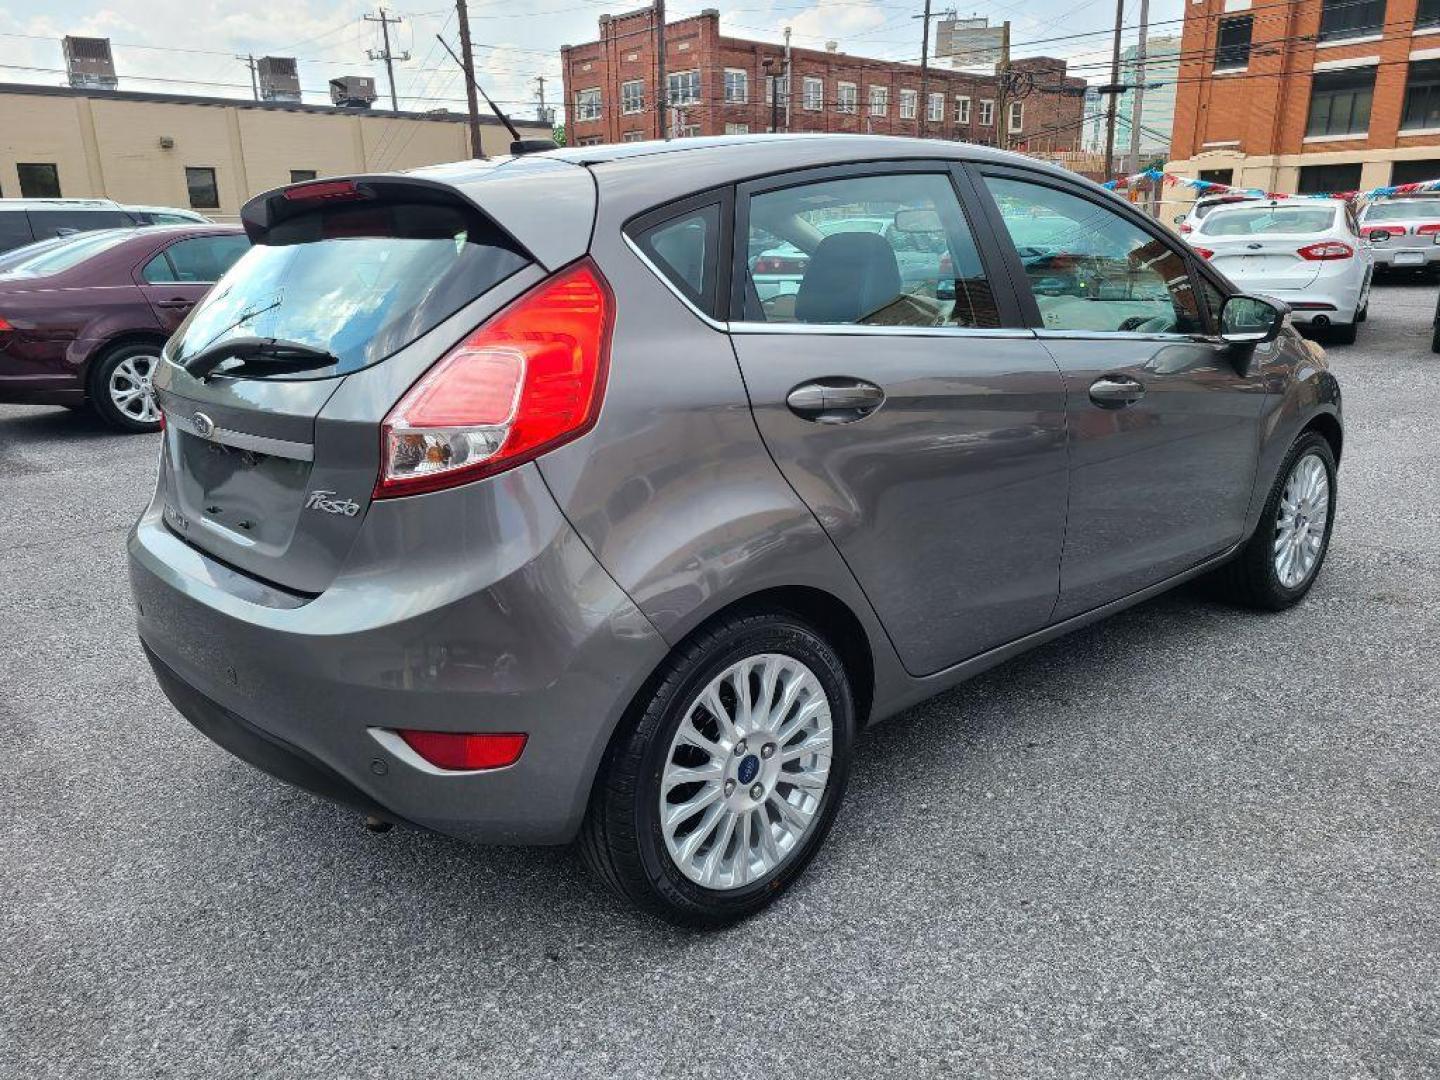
<point>276,355</point>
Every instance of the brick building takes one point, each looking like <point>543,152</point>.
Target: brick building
<point>721,85</point>
<point>1312,95</point>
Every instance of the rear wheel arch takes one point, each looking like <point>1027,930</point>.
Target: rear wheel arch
<point>119,341</point>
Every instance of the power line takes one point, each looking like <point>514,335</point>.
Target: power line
<point>386,54</point>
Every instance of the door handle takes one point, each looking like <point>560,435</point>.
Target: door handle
<point>177,302</point>
<point>835,400</point>
<point>1116,391</point>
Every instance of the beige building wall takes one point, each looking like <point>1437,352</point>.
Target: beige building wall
<point>110,145</point>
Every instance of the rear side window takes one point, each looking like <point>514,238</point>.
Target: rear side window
<point>47,223</point>
<point>360,280</point>
<point>891,250</point>
<point>684,250</point>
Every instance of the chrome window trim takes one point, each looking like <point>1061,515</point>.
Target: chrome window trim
<point>858,330</point>
<point>714,324</point>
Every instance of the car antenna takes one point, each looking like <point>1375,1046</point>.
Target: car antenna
<point>518,145</point>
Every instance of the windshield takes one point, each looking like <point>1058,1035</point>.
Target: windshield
<point>1271,219</point>
<point>57,255</point>
<point>1403,211</point>
<point>361,298</point>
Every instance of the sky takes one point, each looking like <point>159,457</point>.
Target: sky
<point>189,46</point>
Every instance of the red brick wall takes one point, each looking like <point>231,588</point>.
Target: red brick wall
<point>626,50</point>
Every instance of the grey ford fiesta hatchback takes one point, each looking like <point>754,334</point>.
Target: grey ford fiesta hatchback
<point>496,499</point>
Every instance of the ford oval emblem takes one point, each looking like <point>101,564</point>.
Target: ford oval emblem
<point>204,426</point>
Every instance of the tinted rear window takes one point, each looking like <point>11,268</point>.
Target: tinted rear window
<point>14,229</point>
<point>64,222</point>
<point>1279,219</point>
<point>361,281</point>
<point>1403,211</point>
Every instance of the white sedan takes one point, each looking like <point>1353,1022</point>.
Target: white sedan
<point>1306,252</point>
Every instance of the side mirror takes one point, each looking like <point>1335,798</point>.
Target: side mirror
<point>1179,219</point>
<point>1251,320</point>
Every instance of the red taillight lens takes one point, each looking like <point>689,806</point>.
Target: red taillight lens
<point>325,189</point>
<point>525,382</point>
<point>1427,230</point>
<point>5,326</point>
<point>465,751</point>
<point>1326,251</point>
<point>1204,253</point>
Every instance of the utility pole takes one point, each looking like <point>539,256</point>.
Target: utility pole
<point>1139,103</point>
<point>924,69</point>
<point>249,61</point>
<point>467,61</point>
<point>662,83</point>
<point>1002,122</point>
<point>386,21</point>
<point>541,113</point>
<point>787,79</point>
<point>1114,92</point>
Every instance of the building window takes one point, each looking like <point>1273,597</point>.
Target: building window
<point>587,105</point>
<point>1422,97</point>
<point>633,136</point>
<point>1232,43</point>
<point>1017,116</point>
<point>299,176</point>
<point>1218,176</point>
<point>632,97</point>
<point>814,94</point>
<point>1427,14</point>
<point>879,100</point>
<point>589,140</point>
<point>687,131</point>
<point>1410,172</point>
<point>1318,179</point>
<point>962,110</point>
<point>987,113</point>
<point>737,87</point>
<point>684,88</point>
<point>847,98</point>
<point>38,181</point>
<point>204,192</point>
<point>909,104</point>
<point>737,129</point>
<point>935,108</point>
<point>1340,19</point>
<point>1340,102</point>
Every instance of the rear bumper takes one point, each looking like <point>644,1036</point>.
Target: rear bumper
<point>1385,256</point>
<point>475,631</point>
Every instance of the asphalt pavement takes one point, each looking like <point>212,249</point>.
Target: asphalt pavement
<point>1190,841</point>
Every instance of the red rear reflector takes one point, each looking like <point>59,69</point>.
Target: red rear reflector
<point>525,382</point>
<point>1326,251</point>
<point>1204,253</point>
<point>464,751</point>
<point>325,189</point>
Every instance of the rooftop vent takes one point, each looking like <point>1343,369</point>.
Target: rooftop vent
<point>89,64</point>
<point>352,91</point>
<point>279,78</point>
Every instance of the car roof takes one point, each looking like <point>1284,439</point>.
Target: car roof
<point>59,204</point>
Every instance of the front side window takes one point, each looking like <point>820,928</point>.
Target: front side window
<point>1422,99</point>
<point>683,251</point>
<point>847,98</point>
<point>39,180</point>
<point>909,101</point>
<point>684,87</point>
<point>879,100</point>
<point>1340,102</point>
<point>891,250</point>
<point>587,104</point>
<point>632,97</point>
<point>1340,19</point>
<point>987,113</point>
<point>962,110</point>
<point>1090,269</point>
<point>814,94</point>
<point>737,86</point>
<point>204,191</point>
<point>935,108</point>
<point>1232,43</point>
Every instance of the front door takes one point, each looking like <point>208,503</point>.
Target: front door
<point>1164,418</point>
<point>923,427</point>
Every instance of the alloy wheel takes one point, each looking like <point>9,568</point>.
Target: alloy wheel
<point>746,771</point>
<point>1301,520</point>
<point>130,390</point>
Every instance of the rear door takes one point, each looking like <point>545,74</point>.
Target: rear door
<point>176,278</point>
<point>1164,417</point>
<point>919,422</point>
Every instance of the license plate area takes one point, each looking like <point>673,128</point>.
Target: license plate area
<point>1409,258</point>
<point>252,496</point>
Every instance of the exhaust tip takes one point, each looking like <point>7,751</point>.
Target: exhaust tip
<point>1321,320</point>
<point>377,824</point>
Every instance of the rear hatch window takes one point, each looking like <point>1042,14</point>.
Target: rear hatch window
<point>359,281</point>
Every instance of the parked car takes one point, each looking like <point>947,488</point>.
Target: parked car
<point>1190,220</point>
<point>23,221</point>
<point>1403,233</point>
<point>1306,252</point>
<point>83,318</point>
<point>487,506</point>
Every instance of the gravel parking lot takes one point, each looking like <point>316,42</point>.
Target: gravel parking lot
<point>1189,841</point>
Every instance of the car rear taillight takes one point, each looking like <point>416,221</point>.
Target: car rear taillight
<point>1185,229</point>
<point>5,326</point>
<point>526,381</point>
<point>1326,251</point>
<point>779,264</point>
<point>1427,230</point>
<point>458,750</point>
<point>1204,253</point>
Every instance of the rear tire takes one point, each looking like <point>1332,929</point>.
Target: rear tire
<point>1343,333</point>
<point>119,387</point>
<point>694,869</point>
<point>1435,339</point>
<point>1253,578</point>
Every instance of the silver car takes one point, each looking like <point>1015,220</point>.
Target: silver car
<point>494,500</point>
<point>1403,233</point>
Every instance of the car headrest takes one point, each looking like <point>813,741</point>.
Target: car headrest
<point>850,276</point>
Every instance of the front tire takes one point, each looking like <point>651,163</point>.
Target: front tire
<point>119,387</point>
<point>1279,564</point>
<point>724,786</point>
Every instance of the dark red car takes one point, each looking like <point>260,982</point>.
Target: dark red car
<point>83,318</point>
